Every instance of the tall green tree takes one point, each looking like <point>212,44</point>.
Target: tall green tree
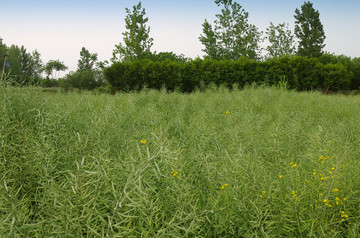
<point>87,60</point>
<point>281,40</point>
<point>232,36</point>
<point>136,38</point>
<point>309,31</point>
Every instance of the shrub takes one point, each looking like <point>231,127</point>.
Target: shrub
<point>86,79</point>
<point>299,73</point>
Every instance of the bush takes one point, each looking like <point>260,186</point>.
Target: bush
<point>86,79</point>
<point>299,73</point>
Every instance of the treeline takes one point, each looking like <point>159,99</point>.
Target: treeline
<point>293,72</point>
<point>232,56</point>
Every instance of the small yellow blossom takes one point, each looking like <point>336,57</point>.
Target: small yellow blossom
<point>294,165</point>
<point>143,141</point>
<point>222,187</point>
<point>333,168</point>
<point>325,200</point>
<point>345,199</point>
<point>263,192</point>
<point>335,190</point>
<point>314,173</point>
<point>227,112</point>
<point>280,176</point>
<point>323,178</point>
<point>291,163</point>
<point>261,196</point>
<point>174,173</point>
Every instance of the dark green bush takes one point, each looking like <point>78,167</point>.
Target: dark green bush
<point>86,79</point>
<point>299,73</point>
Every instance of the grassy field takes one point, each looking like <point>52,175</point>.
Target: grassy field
<point>260,162</point>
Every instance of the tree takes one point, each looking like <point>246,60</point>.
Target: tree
<point>22,66</point>
<point>309,31</point>
<point>52,65</point>
<point>136,39</point>
<point>281,40</point>
<point>232,36</point>
<point>87,60</point>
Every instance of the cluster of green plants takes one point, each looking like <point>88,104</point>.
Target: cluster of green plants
<point>295,72</point>
<point>257,162</point>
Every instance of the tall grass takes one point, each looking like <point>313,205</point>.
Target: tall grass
<point>256,162</point>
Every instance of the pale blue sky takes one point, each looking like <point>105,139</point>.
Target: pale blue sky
<point>58,29</point>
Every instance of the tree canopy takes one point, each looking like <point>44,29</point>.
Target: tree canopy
<point>309,31</point>
<point>232,36</point>
<point>137,39</point>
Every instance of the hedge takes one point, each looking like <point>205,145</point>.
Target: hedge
<point>299,73</point>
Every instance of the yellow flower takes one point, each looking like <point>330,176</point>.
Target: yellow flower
<point>263,192</point>
<point>143,141</point>
<point>323,178</point>
<point>174,173</point>
<point>280,176</point>
<point>227,112</point>
<point>335,190</point>
<point>345,199</point>
<point>222,187</point>
<point>325,200</point>
<point>294,165</point>
<point>291,163</point>
<point>314,173</point>
<point>333,168</point>
<point>261,196</point>
<point>226,185</point>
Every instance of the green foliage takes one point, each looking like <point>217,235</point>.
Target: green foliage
<point>217,163</point>
<point>309,31</point>
<point>87,60</point>
<point>25,68</point>
<point>162,56</point>
<point>351,65</point>
<point>137,40</point>
<point>54,65</point>
<point>84,79</point>
<point>232,36</point>
<point>300,73</point>
<point>281,40</point>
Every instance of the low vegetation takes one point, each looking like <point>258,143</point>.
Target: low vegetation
<point>256,162</point>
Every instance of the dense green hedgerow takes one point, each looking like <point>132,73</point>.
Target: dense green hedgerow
<point>298,73</point>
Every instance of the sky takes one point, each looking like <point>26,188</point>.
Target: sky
<point>59,29</point>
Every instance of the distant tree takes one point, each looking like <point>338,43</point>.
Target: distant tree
<point>232,36</point>
<point>87,60</point>
<point>3,51</point>
<point>281,40</point>
<point>54,65</point>
<point>36,64</point>
<point>309,31</point>
<point>22,66</point>
<point>136,38</point>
